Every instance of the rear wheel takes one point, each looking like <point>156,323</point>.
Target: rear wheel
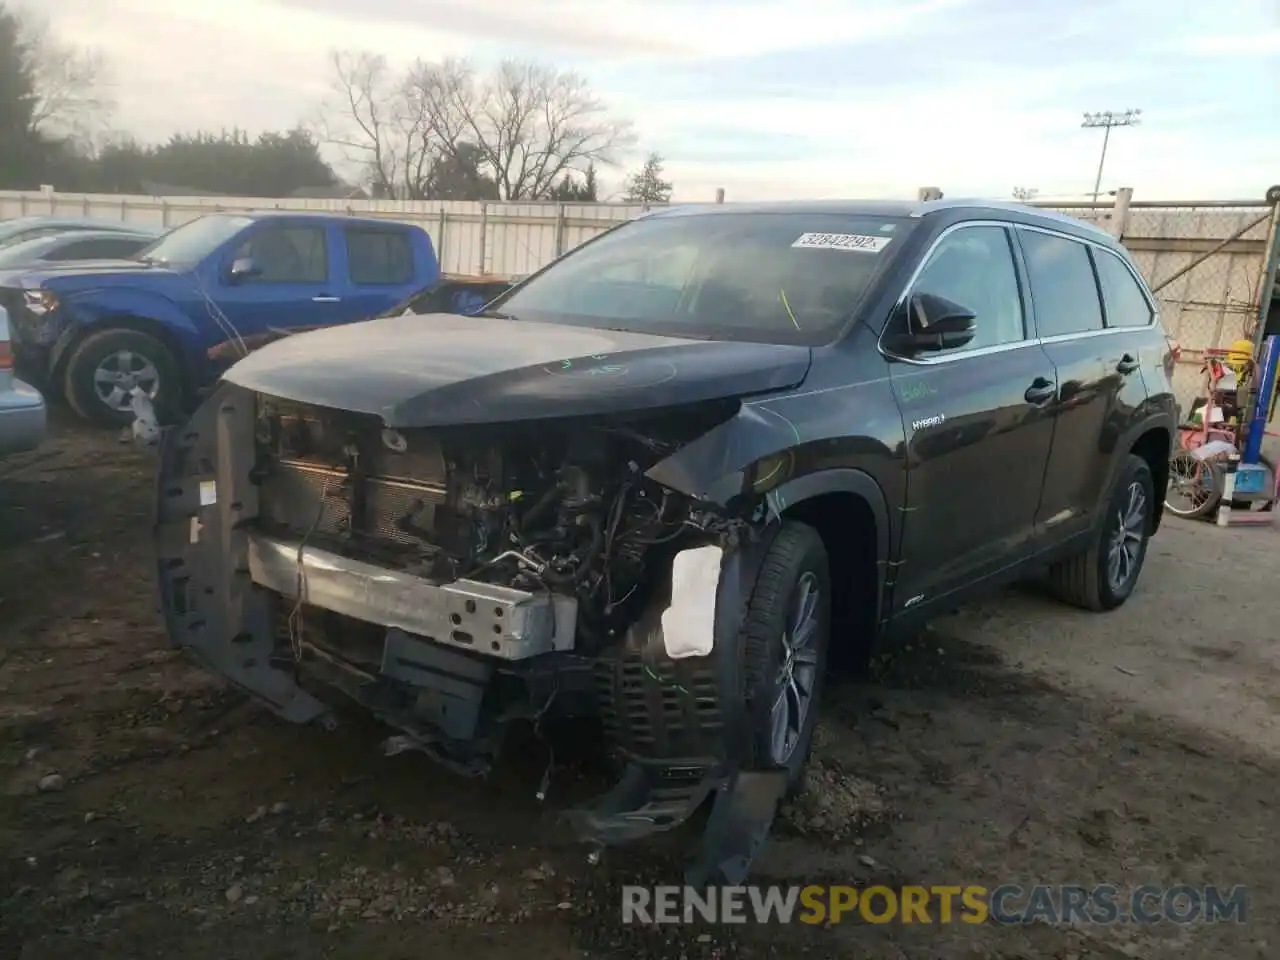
<point>107,366</point>
<point>1103,576</point>
<point>785,641</point>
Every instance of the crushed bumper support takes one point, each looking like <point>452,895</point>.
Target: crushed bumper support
<point>221,587</point>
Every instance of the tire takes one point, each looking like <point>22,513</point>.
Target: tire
<point>796,558</point>
<point>101,348</point>
<point>1084,580</point>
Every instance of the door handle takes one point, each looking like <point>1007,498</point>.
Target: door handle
<point>326,299</point>
<point>1127,364</point>
<point>1040,392</point>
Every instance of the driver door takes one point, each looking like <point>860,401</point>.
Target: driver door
<point>295,285</point>
<point>978,426</point>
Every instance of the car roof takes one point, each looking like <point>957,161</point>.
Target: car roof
<point>316,215</point>
<point>37,220</point>
<point>76,233</point>
<point>915,209</point>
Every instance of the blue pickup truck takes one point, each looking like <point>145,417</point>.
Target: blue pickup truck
<point>96,331</point>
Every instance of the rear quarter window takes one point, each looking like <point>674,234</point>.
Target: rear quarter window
<point>378,256</point>
<point>1127,305</point>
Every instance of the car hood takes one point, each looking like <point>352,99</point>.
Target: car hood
<point>438,369</point>
<point>91,270</point>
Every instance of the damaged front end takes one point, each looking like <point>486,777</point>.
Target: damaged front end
<point>453,580</point>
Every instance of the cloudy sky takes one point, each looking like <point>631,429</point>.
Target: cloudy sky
<point>791,98</point>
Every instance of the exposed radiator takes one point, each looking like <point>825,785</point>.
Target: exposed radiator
<point>302,497</point>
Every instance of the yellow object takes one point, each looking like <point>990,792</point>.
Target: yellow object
<point>1240,357</point>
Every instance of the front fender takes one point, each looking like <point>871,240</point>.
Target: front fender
<point>87,310</point>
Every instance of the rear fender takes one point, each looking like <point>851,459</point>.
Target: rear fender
<point>204,497</point>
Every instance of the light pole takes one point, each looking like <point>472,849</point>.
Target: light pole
<point>1106,120</point>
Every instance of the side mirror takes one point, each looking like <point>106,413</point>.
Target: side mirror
<point>936,323</point>
<point>242,268</point>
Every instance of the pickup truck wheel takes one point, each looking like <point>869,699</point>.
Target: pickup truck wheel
<point>785,640</point>
<point>1103,577</point>
<point>106,366</point>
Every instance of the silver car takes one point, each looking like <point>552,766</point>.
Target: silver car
<point>22,413</point>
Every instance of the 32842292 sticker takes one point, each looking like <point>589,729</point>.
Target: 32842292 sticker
<point>855,242</point>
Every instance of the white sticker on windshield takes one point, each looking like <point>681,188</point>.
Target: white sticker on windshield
<point>842,241</point>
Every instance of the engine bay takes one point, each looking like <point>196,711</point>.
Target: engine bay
<point>542,507</point>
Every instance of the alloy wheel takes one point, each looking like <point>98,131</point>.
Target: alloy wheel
<point>798,673</point>
<point>1128,532</point>
<point>119,373</point>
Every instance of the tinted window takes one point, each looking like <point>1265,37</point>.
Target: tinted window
<point>973,266</point>
<point>1127,306</point>
<point>379,256</point>
<point>66,251</point>
<point>1063,288</point>
<point>287,254</point>
<point>768,277</point>
<point>103,248</point>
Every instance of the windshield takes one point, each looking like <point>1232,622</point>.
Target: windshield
<point>192,242</point>
<point>767,277</point>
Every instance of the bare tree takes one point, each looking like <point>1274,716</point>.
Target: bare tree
<point>1024,194</point>
<point>72,90</point>
<point>363,117</point>
<point>520,128</point>
<point>646,185</point>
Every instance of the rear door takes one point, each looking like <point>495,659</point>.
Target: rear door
<point>978,434</point>
<point>1096,383</point>
<point>379,269</point>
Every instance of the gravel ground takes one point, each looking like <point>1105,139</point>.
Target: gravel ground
<point>146,811</point>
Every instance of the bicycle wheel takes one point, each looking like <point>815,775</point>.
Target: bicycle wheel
<point>1195,488</point>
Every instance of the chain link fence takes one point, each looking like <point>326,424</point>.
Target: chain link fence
<point>1205,265</point>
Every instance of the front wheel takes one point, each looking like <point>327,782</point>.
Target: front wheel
<point>785,642</point>
<point>1103,576</point>
<point>107,366</point>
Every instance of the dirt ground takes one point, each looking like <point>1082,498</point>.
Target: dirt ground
<point>145,811</point>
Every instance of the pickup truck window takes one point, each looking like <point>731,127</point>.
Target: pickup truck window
<point>1063,287</point>
<point>378,256</point>
<point>192,242</point>
<point>974,267</point>
<point>764,277</point>
<point>287,254</point>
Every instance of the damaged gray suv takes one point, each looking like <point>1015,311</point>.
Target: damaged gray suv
<point>662,481</point>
